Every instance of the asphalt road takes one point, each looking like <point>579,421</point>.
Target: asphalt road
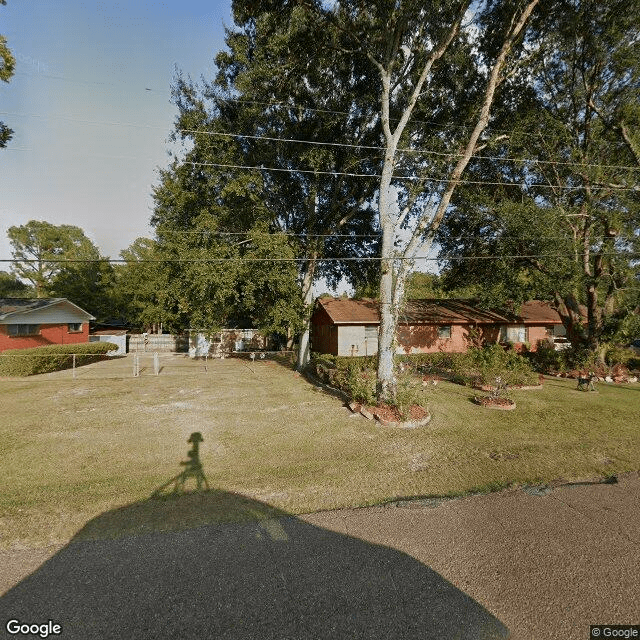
<point>515,564</point>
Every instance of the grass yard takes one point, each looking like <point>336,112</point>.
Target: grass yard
<point>72,449</point>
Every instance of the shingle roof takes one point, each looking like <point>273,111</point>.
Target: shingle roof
<point>436,311</point>
<point>345,311</point>
<point>16,306</point>
<point>453,311</point>
<point>538,312</point>
<point>13,305</point>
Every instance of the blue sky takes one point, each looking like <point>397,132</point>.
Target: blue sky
<point>90,107</point>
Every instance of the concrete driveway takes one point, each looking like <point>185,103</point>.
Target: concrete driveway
<point>527,565</point>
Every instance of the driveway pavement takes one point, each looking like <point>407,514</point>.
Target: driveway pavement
<point>526,565</point>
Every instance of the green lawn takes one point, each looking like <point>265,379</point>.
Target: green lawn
<point>72,449</point>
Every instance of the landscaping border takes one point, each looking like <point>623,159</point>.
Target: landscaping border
<point>365,411</point>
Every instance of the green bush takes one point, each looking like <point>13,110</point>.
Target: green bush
<point>620,355</point>
<point>409,393</point>
<point>55,357</point>
<point>481,366</point>
<point>355,376</point>
<point>478,366</point>
<point>361,385</point>
<point>546,359</point>
<point>494,361</point>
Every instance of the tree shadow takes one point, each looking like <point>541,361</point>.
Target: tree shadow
<point>217,564</point>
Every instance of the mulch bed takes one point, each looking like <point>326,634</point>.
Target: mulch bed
<point>495,403</point>
<point>617,373</point>
<point>390,416</point>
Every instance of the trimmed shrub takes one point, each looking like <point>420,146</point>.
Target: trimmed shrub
<point>481,366</point>
<point>478,366</point>
<point>54,357</point>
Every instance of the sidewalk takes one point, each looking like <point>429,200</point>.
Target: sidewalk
<point>525,565</point>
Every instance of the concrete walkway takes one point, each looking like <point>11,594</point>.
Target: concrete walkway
<point>525,565</point>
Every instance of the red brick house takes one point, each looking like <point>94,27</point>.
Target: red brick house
<point>34,322</point>
<point>350,327</point>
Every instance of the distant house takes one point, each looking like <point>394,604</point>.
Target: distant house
<point>350,327</point>
<point>34,322</point>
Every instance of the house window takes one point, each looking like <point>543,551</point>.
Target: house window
<point>371,333</point>
<point>513,334</point>
<point>444,331</point>
<point>75,327</point>
<point>23,329</point>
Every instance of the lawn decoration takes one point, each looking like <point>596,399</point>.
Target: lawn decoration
<point>585,383</point>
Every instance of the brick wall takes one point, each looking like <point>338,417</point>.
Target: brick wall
<point>49,334</point>
<point>424,339</point>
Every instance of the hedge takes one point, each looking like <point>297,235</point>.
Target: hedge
<point>475,367</point>
<point>54,357</point>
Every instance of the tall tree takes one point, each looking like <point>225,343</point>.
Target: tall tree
<point>277,107</point>
<point>7,65</point>
<point>45,254</point>
<point>426,66</point>
<point>89,283</point>
<point>142,288</point>
<point>564,217</point>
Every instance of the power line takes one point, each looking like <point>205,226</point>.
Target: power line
<point>407,150</point>
<point>322,143</point>
<point>304,259</point>
<point>417,178</point>
<point>269,233</point>
<point>288,105</point>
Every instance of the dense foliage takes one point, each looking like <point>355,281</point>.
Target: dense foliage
<point>49,358</point>
<point>7,66</point>
<point>558,217</point>
<point>60,261</point>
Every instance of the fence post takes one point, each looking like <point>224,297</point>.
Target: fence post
<point>136,366</point>
<point>74,365</point>
<point>156,363</point>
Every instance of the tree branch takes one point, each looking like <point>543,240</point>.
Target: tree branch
<point>417,242</point>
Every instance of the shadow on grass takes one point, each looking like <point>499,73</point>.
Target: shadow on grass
<point>216,564</point>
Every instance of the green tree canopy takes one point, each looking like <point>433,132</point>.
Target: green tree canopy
<point>262,155</point>
<point>44,253</point>
<point>558,219</point>
<point>435,89</point>
<point>12,287</point>
<point>7,66</point>
<point>60,261</point>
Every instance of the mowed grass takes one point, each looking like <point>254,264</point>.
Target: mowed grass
<point>72,449</point>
